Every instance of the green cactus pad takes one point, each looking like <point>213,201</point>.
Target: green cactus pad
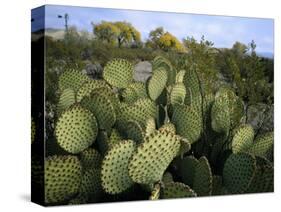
<point>150,126</point>
<point>235,105</point>
<point>102,108</point>
<point>62,178</point>
<point>243,139</point>
<point>87,88</point>
<point>180,76</point>
<point>134,132</point>
<point>72,79</point>
<point>67,98</point>
<point>202,181</point>
<point>160,62</point>
<point>76,129</point>
<point>263,145</point>
<point>102,141</point>
<point>167,177</point>
<point>148,106</point>
<point>187,121</point>
<point>90,158</point>
<point>118,73</point>
<point>155,193</point>
<point>153,157</point>
<point>91,183</point>
<point>238,172</point>
<point>263,180</point>
<point>115,137</point>
<point>139,88</point>
<point>157,83</point>
<point>111,95</point>
<point>134,91</point>
<point>185,146</point>
<point>129,95</point>
<point>191,82</point>
<point>177,94</point>
<point>169,127</point>
<point>177,190</point>
<point>220,114</point>
<point>140,111</point>
<point>114,173</point>
<point>187,169</point>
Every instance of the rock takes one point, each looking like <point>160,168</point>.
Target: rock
<point>93,70</point>
<point>143,70</point>
<point>261,113</point>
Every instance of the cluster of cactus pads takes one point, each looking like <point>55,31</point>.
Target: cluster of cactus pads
<point>172,136</point>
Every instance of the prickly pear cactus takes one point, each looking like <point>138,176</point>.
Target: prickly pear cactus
<point>153,156</point>
<point>157,83</point>
<point>238,172</point>
<point>187,121</point>
<point>90,158</point>
<point>102,108</point>
<point>177,190</point>
<point>176,135</point>
<point>87,88</point>
<point>118,73</point>
<point>243,139</point>
<point>62,178</point>
<point>72,79</point>
<point>67,98</point>
<point>263,146</point>
<point>114,173</point>
<point>76,129</point>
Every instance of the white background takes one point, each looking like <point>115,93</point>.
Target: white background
<point>15,104</point>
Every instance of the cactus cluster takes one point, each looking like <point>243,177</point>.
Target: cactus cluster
<point>173,136</point>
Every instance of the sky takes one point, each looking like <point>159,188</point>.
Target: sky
<point>223,31</point>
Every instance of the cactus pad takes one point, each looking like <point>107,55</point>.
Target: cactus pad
<point>187,121</point>
<point>157,83</point>
<point>62,178</point>
<point>177,94</point>
<point>87,88</point>
<point>72,79</point>
<point>135,132</point>
<point>202,181</point>
<point>114,173</point>
<point>153,157</point>
<point>187,169</point>
<point>102,108</point>
<point>263,180</point>
<point>220,114</point>
<point>263,145</point>
<point>177,190</point>
<point>76,129</point>
<point>134,91</point>
<point>180,76</point>
<point>91,183</point>
<point>90,158</point>
<point>150,126</point>
<point>118,73</point>
<point>169,127</point>
<point>243,139</point>
<point>67,98</point>
<point>155,193</point>
<point>238,172</point>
